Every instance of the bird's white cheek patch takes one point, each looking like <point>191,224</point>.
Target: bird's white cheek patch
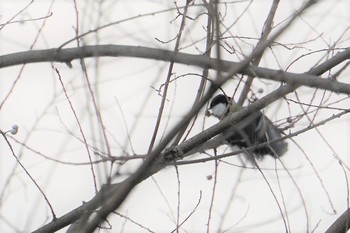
<point>218,110</point>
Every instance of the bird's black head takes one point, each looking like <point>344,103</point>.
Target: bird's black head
<point>219,99</point>
<point>218,106</point>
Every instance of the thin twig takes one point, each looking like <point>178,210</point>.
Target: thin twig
<point>80,127</point>
<point>264,34</point>
<point>166,85</point>
<point>28,174</point>
<point>210,211</point>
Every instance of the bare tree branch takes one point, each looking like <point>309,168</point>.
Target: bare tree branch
<point>309,79</point>
<point>342,224</point>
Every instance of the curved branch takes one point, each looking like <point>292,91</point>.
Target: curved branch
<point>67,55</point>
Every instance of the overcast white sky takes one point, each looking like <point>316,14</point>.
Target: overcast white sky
<point>125,91</point>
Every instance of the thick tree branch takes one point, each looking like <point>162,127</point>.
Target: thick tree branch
<point>342,224</point>
<point>68,55</point>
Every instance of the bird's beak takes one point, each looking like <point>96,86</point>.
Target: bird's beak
<point>208,113</point>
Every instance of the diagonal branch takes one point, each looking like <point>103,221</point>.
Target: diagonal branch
<point>265,33</point>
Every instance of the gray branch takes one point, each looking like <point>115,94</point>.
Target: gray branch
<point>70,54</point>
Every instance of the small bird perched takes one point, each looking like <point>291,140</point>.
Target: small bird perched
<point>251,131</point>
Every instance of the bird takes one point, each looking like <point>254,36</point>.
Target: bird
<point>251,131</point>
